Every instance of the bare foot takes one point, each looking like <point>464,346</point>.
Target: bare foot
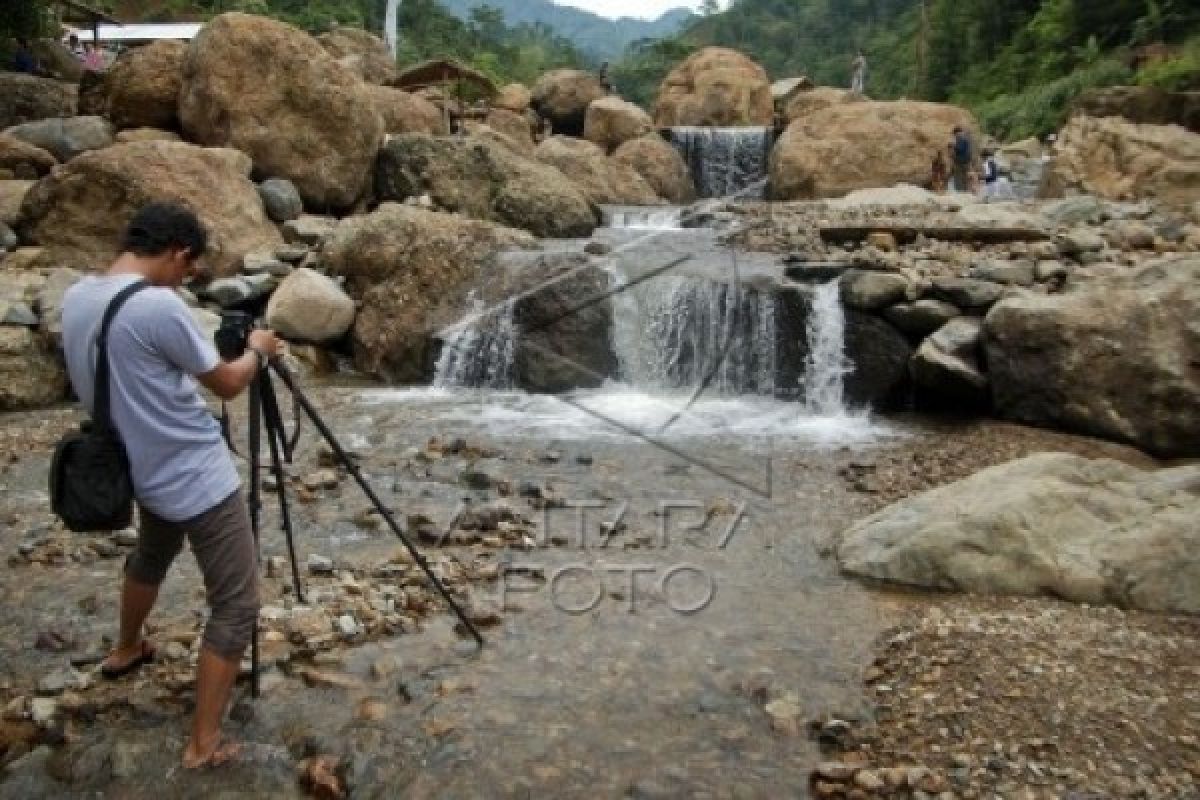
<point>120,662</point>
<point>219,752</point>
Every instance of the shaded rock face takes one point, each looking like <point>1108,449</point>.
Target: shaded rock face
<point>143,86</point>
<point>1114,357</point>
<point>1147,105</point>
<point>483,180</point>
<point>25,98</point>
<point>12,195</point>
<point>1090,531</point>
<point>513,125</point>
<point>611,121</point>
<point>410,270</point>
<point>31,375</point>
<point>715,86</point>
<point>946,368</point>
<point>307,118</point>
<point>363,53</point>
<point>603,180</point>
<point>661,165</point>
<point>26,161</point>
<point>803,103</point>
<point>65,138</point>
<point>563,96</point>
<point>1120,160</point>
<point>861,145</point>
<point>79,212</point>
<point>402,112</point>
<point>57,60</point>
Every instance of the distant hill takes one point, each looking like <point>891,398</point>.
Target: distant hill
<point>599,37</point>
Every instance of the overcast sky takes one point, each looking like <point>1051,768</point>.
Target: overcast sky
<point>632,8</point>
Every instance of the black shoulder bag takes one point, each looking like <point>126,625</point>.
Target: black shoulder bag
<point>90,485</point>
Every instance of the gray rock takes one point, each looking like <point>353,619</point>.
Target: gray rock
<point>291,253</point>
<point>50,300</point>
<point>1091,531</point>
<point>922,317</point>
<point>42,710</point>
<point>280,199</point>
<point>1079,241</point>
<point>871,291</point>
<point>967,292</point>
<point>17,313</point>
<point>1018,273</point>
<point>309,229</point>
<point>347,625</point>
<point>946,369</point>
<point>229,292</point>
<point>8,239</point>
<point>319,565</point>
<point>880,355</point>
<point>1050,271</point>
<point>1074,210</point>
<point>259,263</point>
<point>261,283</point>
<point>127,756</point>
<point>65,138</point>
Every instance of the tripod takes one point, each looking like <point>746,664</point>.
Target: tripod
<point>264,416</point>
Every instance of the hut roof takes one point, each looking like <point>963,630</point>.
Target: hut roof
<point>442,71</point>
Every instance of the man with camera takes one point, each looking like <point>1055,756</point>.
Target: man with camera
<point>182,472</point>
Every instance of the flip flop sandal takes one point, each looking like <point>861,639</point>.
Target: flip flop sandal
<point>147,657</point>
<point>226,752</point>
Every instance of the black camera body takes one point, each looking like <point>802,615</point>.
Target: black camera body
<point>231,337</point>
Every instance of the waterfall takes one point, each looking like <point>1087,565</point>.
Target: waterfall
<point>826,365</point>
<point>654,218</point>
<point>677,332</point>
<point>724,161</point>
<point>479,351</point>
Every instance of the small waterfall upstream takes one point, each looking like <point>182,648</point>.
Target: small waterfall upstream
<point>479,352</point>
<point>649,218</point>
<point>725,161</point>
<point>826,366</point>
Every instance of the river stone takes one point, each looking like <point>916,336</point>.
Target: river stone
<point>1073,210</point>
<point>611,121</point>
<point>602,179</point>
<point>867,290</point>
<point>280,199</point>
<point>31,375</point>
<point>946,370</point>
<point>8,238</point>
<point>1091,531</point>
<point>310,307</point>
<point>50,302</point>
<point>1079,241</point>
<point>309,229</point>
<point>483,180</point>
<point>967,292</point>
<point>921,317</point>
<point>1050,271</point>
<point>24,160</point>
<point>65,138</point>
<point>143,85</point>
<point>1017,273</point>
<point>661,165</point>
<point>26,98</point>
<point>16,312</point>
<point>1115,356</point>
<point>229,292</point>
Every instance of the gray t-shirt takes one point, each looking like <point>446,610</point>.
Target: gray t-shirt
<point>180,464</point>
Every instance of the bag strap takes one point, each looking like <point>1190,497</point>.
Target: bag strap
<point>101,399</point>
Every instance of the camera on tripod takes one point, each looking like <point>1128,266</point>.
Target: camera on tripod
<point>233,333</point>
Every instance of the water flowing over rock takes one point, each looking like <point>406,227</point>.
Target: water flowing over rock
<point>363,53</point>
<point>142,88</point>
<point>303,117</point>
<point>411,272</point>
<point>478,351</point>
<point>403,112</point>
<point>661,165</point>
<point>1114,357</point>
<point>861,145</point>
<point>1091,531</point>
<point>611,122</point>
<point>725,161</point>
<point>25,98</point>
<point>602,179</point>
<point>483,180</point>
<point>79,212</point>
<point>1120,160</point>
<point>715,87</point>
<point>563,96</point>
<point>826,365</point>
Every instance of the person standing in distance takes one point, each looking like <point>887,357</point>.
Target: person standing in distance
<point>859,68</point>
<point>183,475</point>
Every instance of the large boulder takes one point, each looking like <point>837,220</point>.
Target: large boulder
<point>512,125</point>
<point>483,180</point>
<point>12,195</point>
<point>602,179</point>
<point>513,97</point>
<point>310,307</point>
<point>1120,160</point>
<point>879,356</point>
<point>1091,531</point>
<point>65,138</point>
<point>563,96</point>
<point>611,122</point>
<point>801,104</point>
<point>861,145</point>
<point>302,116</point>
<point>403,112</point>
<point>715,86</point>
<point>56,60</point>
<point>1114,356</point>
<point>946,368</point>
<point>143,86</point>
<point>411,271</point>
<point>363,53</point>
<point>1148,105</point>
<point>25,98</point>
<point>31,374</point>
<point>661,165</point>
<point>24,160</point>
<point>79,211</point>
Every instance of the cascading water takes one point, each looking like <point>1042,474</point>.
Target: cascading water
<point>826,366</point>
<point>725,161</point>
<point>479,352</point>
<point>651,218</point>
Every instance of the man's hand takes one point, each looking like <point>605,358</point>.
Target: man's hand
<point>265,342</point>
<point>230,377</point>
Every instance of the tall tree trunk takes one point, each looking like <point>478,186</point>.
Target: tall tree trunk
<point>389,26</point>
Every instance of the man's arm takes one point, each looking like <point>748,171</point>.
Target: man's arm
<point>230,378</point>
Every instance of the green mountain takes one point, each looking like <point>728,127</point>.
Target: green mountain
<point>598,37</point>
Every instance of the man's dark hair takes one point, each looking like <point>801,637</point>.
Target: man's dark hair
<point>159,227</point>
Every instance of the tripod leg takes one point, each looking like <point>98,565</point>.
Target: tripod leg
<point>275,437</point>
<point>383,510</point>
<point>254,410</point>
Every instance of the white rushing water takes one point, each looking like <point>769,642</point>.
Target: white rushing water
<point>724,161</point>
<point>826,366</point>
<point>479,351</point>
<point>644,218</point>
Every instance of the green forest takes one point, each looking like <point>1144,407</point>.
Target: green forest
<point>1016,63</point>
